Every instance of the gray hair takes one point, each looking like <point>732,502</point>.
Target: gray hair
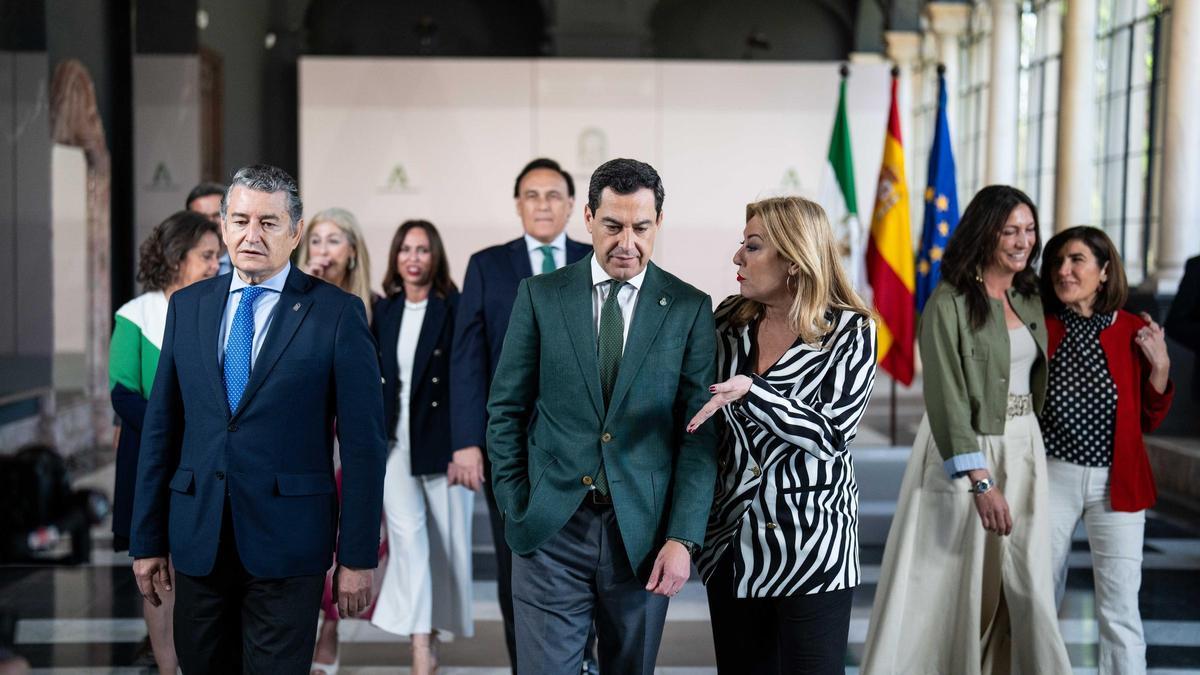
<point>270,179</point>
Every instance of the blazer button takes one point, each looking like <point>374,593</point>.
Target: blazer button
<point>232,427</point>
<point>437,352</point>
<point>220,475</point>
<point>771,526</point>
<point>434,404</point>
<point>435,380</point>
<point>756,471</point>
<point>586,480</point>
<point>606,437</point>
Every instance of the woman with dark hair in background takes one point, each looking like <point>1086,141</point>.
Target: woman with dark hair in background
<point>427,585</point>
<point>966,585</point>
<point>1108,385</point>
<point>183,249</point>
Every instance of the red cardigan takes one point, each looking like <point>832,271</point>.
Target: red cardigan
<point>1140,409</point>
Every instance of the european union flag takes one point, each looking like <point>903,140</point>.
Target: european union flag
<point>941,203</point>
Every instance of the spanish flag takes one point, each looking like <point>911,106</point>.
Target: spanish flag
<point>890,255</point>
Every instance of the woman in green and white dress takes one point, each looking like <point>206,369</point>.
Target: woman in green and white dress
<point>183,249</point>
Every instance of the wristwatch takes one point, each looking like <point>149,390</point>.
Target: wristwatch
<point>982,485</point>
<point>691,548</point>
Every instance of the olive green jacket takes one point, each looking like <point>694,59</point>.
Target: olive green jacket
<point>966,372</point>
<point>548,427</point>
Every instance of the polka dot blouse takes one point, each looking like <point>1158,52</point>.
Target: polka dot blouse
<point>1079,415</point>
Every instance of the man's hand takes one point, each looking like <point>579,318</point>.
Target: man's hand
<point>466,468</point>
<point>671,570</point>
<point>153,575</point>
<point>353,588</point>
<point>724,393</point>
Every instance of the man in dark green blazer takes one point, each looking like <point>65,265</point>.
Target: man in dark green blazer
<point>604,495</point>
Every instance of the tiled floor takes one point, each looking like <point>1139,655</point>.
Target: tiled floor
<point>87,619</point>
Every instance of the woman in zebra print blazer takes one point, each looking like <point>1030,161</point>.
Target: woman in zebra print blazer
<point>797,352</point>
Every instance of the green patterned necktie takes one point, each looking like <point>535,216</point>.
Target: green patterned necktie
<point>611,345</point>
<point>547,258</point>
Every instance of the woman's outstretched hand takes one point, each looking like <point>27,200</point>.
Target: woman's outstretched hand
<point>724,393</point>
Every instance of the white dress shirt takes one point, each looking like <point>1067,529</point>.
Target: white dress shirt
<point>264,308</point>
<point>626,297</point>
<point>559,246</point>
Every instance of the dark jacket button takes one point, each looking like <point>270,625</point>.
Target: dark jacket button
<point>233,427</point>
<point>220,475</point>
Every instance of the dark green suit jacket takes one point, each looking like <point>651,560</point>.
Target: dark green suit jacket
<point>548,427</point>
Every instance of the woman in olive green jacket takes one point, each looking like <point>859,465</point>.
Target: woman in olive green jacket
<point>966,585</point>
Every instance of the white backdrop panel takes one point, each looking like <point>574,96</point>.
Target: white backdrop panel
<point>394,139</point>
<point>443,139</point>
<point>733,133</point>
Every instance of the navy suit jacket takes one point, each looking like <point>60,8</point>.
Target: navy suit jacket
<point>274,458</point>
<point>488,293</point>
<point>429,391</point>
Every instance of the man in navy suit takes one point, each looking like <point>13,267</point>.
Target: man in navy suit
<point>235,478</point>
<point>545,197</point>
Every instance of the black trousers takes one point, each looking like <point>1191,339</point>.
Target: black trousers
<point>772,636</point>
<point>229,621</point>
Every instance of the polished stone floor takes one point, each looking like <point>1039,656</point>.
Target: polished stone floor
<point>87,619</point>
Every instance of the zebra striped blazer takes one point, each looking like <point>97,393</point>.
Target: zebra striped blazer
<point>786,503</point>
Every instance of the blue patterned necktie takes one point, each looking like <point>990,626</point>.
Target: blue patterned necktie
<point>239,346</point>
<point>610,345</point>
<point>547,258</point>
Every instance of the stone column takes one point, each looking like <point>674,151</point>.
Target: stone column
<point>904,49</point>
<point>1179,228</point>
<point>1002,99</point>
<point>948,21</point>
<point>1076,118</point>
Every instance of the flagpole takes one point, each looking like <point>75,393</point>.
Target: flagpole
<point>892,405</point>
<point>892,426</point>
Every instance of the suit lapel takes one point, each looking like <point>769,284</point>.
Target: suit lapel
<point>653,303</point>
<point>431,329</point>
<point>212,308</point>
<point>576,297</point>
<point>293,305</point>
<point>518,257</point>
<point>389,334</point>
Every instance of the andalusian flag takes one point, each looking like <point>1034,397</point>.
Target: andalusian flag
<point>838,197</point>
<point>890,255</point>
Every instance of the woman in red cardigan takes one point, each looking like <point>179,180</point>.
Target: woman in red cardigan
<point>1108,385</point>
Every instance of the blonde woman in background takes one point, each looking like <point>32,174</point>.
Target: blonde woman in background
<point>796,351</point>
<point>333,249</point>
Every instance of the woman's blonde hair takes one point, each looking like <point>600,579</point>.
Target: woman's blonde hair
<point>800,231</point>
<point>358,271</point>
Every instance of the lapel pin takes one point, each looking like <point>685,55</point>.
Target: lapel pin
<point>296,307</point>
<point>662,302</point>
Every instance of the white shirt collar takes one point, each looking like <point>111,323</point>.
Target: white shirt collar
<point>558,244</point>
<point>599,276</point>
<point>275,283</point>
